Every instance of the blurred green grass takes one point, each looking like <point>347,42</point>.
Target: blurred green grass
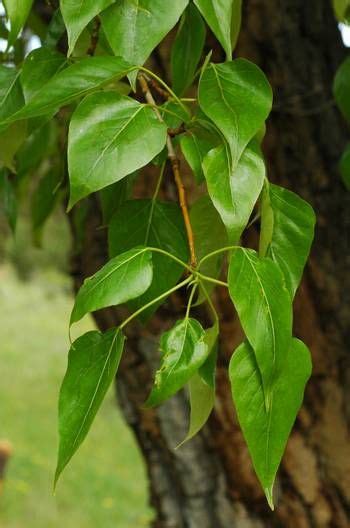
<point>105,484</point>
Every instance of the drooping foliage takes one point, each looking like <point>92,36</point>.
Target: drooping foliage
<point>85,110</point>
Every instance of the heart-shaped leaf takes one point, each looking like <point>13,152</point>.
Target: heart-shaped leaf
<point>121,279</point>
<point>234,192</point>
<point>92,364</point>
<point>110,136</point>
<point>134,29</point>
<point>183,350</point>
<point>237,97</point>
<point>263,304</point>
<point>266,431</point>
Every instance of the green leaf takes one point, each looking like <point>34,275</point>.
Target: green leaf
<point>234,192</point>
<point>291,223</point>
<point>342,10</point>
<point>183,350</point>
<point>344,167</point>
<point>135,28</point>
<point>10,142</point>
<point>155,224</point>
<point>77,15</point>
<point>263,304</point>
<point>123,278</point>
<point>44,200</point>
<point>110,136</point>
<point>195,145</point>
<point>187,49</point>
<point>210,234</point>
<point>115,195</point>
<point>8,200</point>
<point>341,88</point>
<point>17,12</point>
<point>202,387</point>
<point>11,96</point>
<point>92,364</point>
<point>223,18</point>
<point>71,83</point>
<point>38,68</point>
<point>237,97</point>
<point>266,431</point>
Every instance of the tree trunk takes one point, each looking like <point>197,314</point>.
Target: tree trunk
<point>209,482</point>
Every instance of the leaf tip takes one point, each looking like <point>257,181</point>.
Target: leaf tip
<point>269,496</point>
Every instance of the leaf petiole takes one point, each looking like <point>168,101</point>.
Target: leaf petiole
<point>217,252</point>
<point>154,301</point>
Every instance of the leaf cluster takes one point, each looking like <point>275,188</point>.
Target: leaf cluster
<point>99,103</point>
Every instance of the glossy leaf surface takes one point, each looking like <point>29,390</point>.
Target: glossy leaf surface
<point>92,364</point>
<point>187,49</point>
<point>134,29</point>
<point>155,224</point>
<point>263,304</point>
<point>183,350</point>
<point>237,97</point>
<point>292,231</point>
<point>38,68</point>
<point>234,192</point>
<point>121,279</point>
<point>77,15</point>
<point>71,83</point>
<point>110,136</point>
<point>266,431</point>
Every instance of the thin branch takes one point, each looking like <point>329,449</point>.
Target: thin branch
<point>175,164</point>
<point>163,93</point>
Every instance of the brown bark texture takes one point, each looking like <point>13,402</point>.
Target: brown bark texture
<point>209,482</point>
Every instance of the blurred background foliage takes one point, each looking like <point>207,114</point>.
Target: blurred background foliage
<point>106,484</point>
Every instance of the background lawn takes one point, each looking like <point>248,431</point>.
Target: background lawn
<point>105,484</point>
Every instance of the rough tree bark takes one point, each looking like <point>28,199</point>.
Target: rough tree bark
<point>209,482</point>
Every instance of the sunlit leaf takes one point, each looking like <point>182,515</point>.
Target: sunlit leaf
<point>110,136</point>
